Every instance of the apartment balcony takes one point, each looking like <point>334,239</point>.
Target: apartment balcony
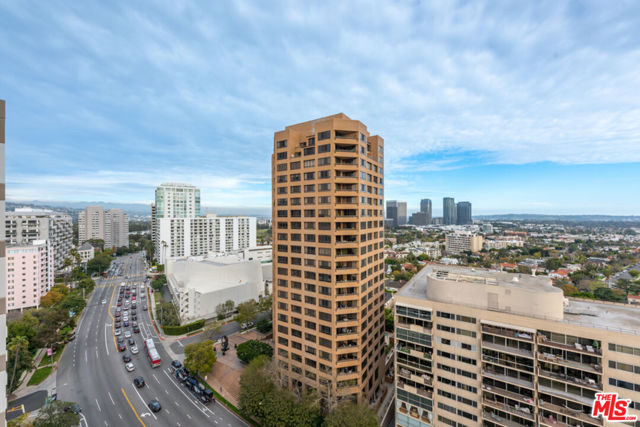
<point>509,364</point>
<point>347,374</point>
<point>507,349</point>
<point>415,390</point>
<point>493,330</point>
<point>496,419</point>
<point>421,379</point>
<point>490,373</point>
<point>347,308</point>
<point>573,413</point>
<point>565,395</point>
<point>520,411</point>
<point>344,359</point>
<point>506,393</point>
<point>557,360</point>
<point>587,349</point>
<point>415,328</point>
<point>586,382</point>
<point>346,134</point>
<point>544,421</point>
<point>346,332</point>
<point>409,364</point>
<point>347,384</point>
<point>346,149</point>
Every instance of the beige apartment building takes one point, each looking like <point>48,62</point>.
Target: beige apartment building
<point>328,264</point>
<point>456,243</point>
<point>475,347</point>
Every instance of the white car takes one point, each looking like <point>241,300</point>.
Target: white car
<point>117,332</point>
<point>104,301</point>
<point>134,349</point>
<point>130,367</point>
<point>127,334</point>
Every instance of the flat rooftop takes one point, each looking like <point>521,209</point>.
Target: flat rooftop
<point>593,314</point>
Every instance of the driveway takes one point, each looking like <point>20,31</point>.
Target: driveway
<point>31,402</point>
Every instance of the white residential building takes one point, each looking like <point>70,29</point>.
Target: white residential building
<point>183,237</point>
<point>503,243</point>
<point>112,226</point>
<point>456,243</point>
<point>172,200</point>
<point>24,225</point>
<point>199,284</point>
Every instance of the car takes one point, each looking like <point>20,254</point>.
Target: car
<point>131,341</point>
<point>154,405</point>
<point>117,332</point>
<point>126,323</point>
<point>127,334</point>
<point>125,318</point>
<point>119,303</point>
<point>125,313</point>
<point>120,338</point>
<point>121,346</point>
<point>118,315</point>
<point>134,317</point>
<point>143,296</point>
<point>134,349</point>
<point>118,310</point>
<point>181,375</point>
<point>176,364</point>
<point>136,329</point>
<point>73,408</point>
<point>130,367</point>
<point>134,323</point>
<point>139,382</point>
<point>144,307</point>
<point>134,306</point>
<point>117,324</point>
<point>104,301</point>
<point>126,358</point>
<point>243,325</point>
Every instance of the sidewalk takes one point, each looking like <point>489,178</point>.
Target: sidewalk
<point>24,389</point>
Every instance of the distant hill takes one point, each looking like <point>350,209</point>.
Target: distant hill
<point>132,209</point>
<point>567,218</point>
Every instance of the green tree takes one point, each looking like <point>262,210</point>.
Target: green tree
<point>225,308</point>
<point>627,286</point>
<point>18,359</point>
<point>606,294</point>
<point>72,302</point>
<point>247,311</point>
<point>388,320</point>
<point>350,414</point>
<point>54,415</point>
<point>159,282</point>
<point>167,314</point>
<point>569,289</point>
<point>264,325</point>
<point>265,303</point>
<point>200,357</point>
<point>99,263</point>
<point>634,273</point>
<point>553,264</point>
<point>249,350</point>
<point>27,327</point>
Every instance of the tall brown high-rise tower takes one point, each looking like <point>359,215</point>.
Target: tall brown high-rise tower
<point>328,263</point>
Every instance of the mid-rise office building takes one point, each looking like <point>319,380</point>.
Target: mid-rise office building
<point>456,243</point>
<point>328,261</point>
<point>110,226</point>
<point>173,200</point>
<point>3,276</point>
<point>397,212</point>
<point>420,218</point>
<point>29,273</point>
<point>25,225</point>
<point>183,237</point>
<point>448,211</point>
<point>475,347</point>
<point>463,216</point>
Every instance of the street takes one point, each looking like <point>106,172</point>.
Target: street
<point>92,373</point>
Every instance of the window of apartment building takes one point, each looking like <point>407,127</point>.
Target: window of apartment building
<point>324,187</point>
<point>309,188</point>
<point>322,136</point>
<point>309,176</point>
<point>282,167</point>
<point>624,367</point>
<point>282,156</point>
<point>282,190</point>
<point>309,200</point>
<point>309,151</point>
<point>624,349</point>
<point>324,174</point>
<point>324,200</point>
<point>309,163</point>
<point>295,189</point>
<point>294,165</point>
<point>281,144</point>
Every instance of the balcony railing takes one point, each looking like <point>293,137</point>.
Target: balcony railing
<point>507,333</point>
<point>520,411</point>
<point>586,382</point>
<point>553,358</point>
<point>587,349</point>
<point>573,413</point>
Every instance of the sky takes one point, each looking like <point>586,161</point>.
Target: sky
<point>518,107</point>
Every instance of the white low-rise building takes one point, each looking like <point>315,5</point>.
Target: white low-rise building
<point>199,284</point>
<point>86,252</point>
<point>456,243</point>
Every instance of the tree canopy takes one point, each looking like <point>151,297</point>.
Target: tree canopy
<point>200,357</point>
<point>54,415</point>
<point>350,414</point>
<point>249,350</point>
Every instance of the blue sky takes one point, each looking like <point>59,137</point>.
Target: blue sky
<point>516,106</point>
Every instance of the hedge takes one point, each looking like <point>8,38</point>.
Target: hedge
<point>184,329</point>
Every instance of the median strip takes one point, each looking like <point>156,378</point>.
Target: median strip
<point>132,408</point>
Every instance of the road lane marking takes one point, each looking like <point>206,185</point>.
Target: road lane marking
<point>105,423</point>
<point>111,398</point>
<point>154,376</point>
<point>98,405</point>
<point>188,398</point>
<point>132,408</point>
<point>188,416</point>
<point>143,402</point>
<point>86,359</point>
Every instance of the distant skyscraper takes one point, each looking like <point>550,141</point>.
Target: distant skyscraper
<point>111,226</point>
<point>448,211</point>
<point>402,213</point>
<point>464,213</point>
<point>397,211</point>
<point>425,207</point>
<point>392,212</point>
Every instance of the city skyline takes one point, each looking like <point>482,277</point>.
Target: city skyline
<point>482,109</point>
